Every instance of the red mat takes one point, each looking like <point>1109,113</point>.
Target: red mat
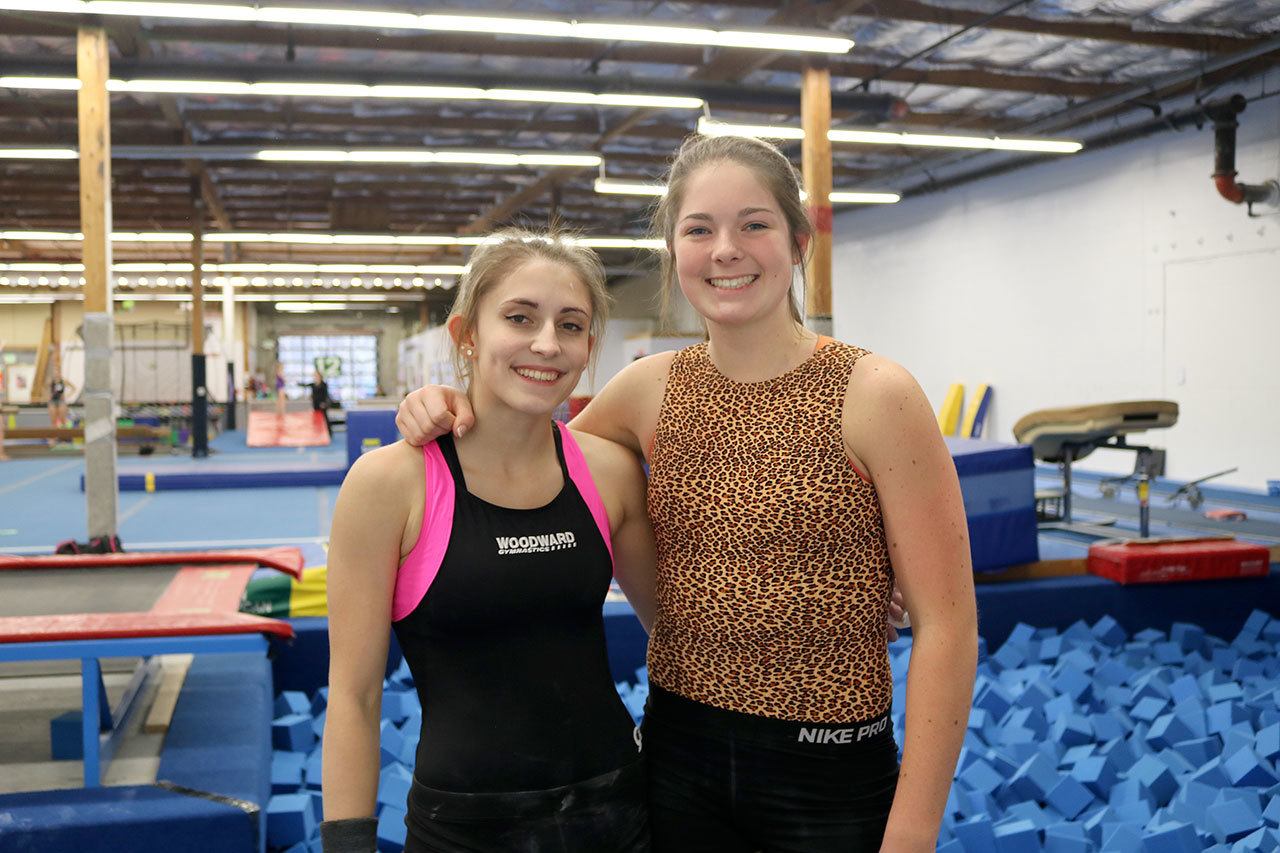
<point>200,600</point>
<point>295,429</point>
<point>284,559</point>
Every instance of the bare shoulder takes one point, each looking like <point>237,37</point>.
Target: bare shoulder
<point>885,409</point>
<point>626,409</point>
<point>645,371</point>
<point>394,465</point>
<point>605,458</point>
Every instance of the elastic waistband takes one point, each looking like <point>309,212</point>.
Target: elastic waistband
<point>668,709</point>
<point>625,782</point>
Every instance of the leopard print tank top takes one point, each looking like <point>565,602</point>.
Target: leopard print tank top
<point>773,572</point>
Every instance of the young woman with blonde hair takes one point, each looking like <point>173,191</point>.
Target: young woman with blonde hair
<point>490,556</point>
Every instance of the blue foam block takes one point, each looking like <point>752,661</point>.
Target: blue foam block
<point>317,724</point>
<point>976,834</point>
<point>1148,708</point>
<point>1109,632</point>
<point>290,819</point>
<point>1244,767</point>
<point>292,733</point>
<point>1017,836</point>
<point>1097,773</point>
<point>980,776</point>
<point>391,829</point>
<point>320,701</point>
<point>1066,838</point>
<point>1167,730</point>
<point>392,742</point>
<point>1034,778</point>
<point>1267,743</point>
<point>66,742</point>
<point>1271,814</point>
<point>393,785</point>
<point>1190,638</point>
<point>312,769</point>
<point>1156,777</point>
<point>1072,730</point>
<point>286,772</point>
<point>1069,797</point>
<point>292,702</point>
<point>1174,837</point>
<point>1121,838</point>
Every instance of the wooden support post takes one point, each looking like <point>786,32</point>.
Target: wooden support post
<point>815,109</point>
<point>102,492</point>
<point>55,337</point>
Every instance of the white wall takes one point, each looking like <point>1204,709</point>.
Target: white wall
<point>1119,274</point>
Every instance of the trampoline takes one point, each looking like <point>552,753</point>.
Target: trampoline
<point>90,606</point>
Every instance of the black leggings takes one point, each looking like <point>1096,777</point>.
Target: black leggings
<point>723,782</point>
<point>605,813</point>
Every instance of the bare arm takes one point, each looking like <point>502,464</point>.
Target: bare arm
<point>626,409</point>
<point>624,412</point>
<point>364,553</point>
<point>621,482</point>
<point>895,434</point>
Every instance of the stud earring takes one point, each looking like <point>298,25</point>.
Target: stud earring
<point>469,352</point>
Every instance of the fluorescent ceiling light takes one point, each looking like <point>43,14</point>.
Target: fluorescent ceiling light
<point>484,158</point>
<point>617,242</point>
<point>604,185</point>
<point>360,90</point>
<point>307,307</point>
<point>937,140</point>
<point>264,268</point>
<point>815,42</point>
<point>851,197</point>
<point>709,127</point>
<point>38,154</point>
<point>298,238</point>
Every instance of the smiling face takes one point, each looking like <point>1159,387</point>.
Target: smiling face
<point>733,250</point>
<point>531,339</point>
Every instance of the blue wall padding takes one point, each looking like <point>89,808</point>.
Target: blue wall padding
<point>213,479</point>
<point>368,429</point>
<point>997,482</point>
<point>135,818</point>
<point>219,739</point>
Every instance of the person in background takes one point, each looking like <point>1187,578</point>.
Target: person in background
<point>320,399</point>
<point>59,389</point>
<point>279,387</point>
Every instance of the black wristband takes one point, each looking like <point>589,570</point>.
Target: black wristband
<point>350,835</point>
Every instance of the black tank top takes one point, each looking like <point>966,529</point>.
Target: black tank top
<point>507,648</point>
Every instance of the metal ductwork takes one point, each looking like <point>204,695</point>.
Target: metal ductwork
<point>1223,115</point>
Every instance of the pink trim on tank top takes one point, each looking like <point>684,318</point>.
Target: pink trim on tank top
<point>581,476</point>
<point>420,568</point>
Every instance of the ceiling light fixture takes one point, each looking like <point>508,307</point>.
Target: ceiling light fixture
<point>709,127</point>
<point>301,238</point>
<point>808,42</point>
<point>360,90</point>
